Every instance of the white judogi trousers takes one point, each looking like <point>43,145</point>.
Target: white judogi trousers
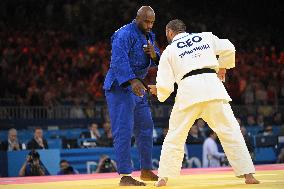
<point>220,118</point>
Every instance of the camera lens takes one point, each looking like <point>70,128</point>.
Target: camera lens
<point>107,160</point>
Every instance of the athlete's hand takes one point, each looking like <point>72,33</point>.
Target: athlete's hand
<point>222,74</point>
<point>137,87</point>
<point>150,51</point>
<point>153,89</point>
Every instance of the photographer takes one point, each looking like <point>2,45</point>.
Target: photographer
<point>106,165</point>
<point>66,168</point>
<point>31,166</point>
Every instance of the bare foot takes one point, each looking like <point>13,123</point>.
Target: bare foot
<point>161,182</point>
<point>250,179</point>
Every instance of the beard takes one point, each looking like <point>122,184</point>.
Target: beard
<point>169,40</point>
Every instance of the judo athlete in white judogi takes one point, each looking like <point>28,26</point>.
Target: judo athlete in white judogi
<point>211,157</point>
<point>190,61</point>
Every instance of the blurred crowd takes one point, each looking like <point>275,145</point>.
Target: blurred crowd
<point>47,68</point>
<point>57,52</point>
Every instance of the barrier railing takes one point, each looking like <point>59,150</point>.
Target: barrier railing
<point>56,112</point>
<point>159,111</point>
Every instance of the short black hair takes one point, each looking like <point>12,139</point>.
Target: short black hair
<point>178,26</point>
<point>63,161</point>
<point>34,154</point>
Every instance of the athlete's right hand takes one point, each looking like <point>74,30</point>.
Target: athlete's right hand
<point>138,87</point>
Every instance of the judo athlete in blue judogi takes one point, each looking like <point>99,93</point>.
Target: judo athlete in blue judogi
<point>133,53</point>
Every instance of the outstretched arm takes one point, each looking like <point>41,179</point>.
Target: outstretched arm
<point>165,77</point>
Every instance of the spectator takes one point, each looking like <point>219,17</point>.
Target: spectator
<point>268,131</point>
<point>162,136</point>
<point>265,109</point>
<point>93,132</point>
<point>194,137</point>
<point>280,157</point>
<point>202,127</point>
<point>90,110</point>
<point>37,142</point>
<point>32,166</point>
<point>240,121</point>
<point>155,136</point>
<point>106,165</point>
<point>12,144</point>
<point>66,168</point>
<point>248,141</point>
<point>248,95</point>
<point>211,157</point>
<point>272,94</point>
<point>250,121</point>
<point>90,138</point>
<point>76,111</point>
<point>260,121</point>
<point>105,114</point>
<point>106,139</point>
<point>277,119</point>
<point>260,94</point>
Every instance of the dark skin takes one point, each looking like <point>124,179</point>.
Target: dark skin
<point>145,20</point>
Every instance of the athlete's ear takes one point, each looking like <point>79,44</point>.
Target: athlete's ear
<point>171,34</point>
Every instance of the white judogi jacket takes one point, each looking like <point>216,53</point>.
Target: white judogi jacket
<point>210,155</point>
<point>189,52</point>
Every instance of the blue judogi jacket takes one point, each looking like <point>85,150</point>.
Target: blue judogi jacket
<point>128,60</point>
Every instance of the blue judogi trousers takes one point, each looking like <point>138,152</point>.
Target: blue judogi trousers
<point>130,114</point>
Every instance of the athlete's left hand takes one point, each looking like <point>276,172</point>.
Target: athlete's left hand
<point>153,89</point>
<point>222,74</point>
